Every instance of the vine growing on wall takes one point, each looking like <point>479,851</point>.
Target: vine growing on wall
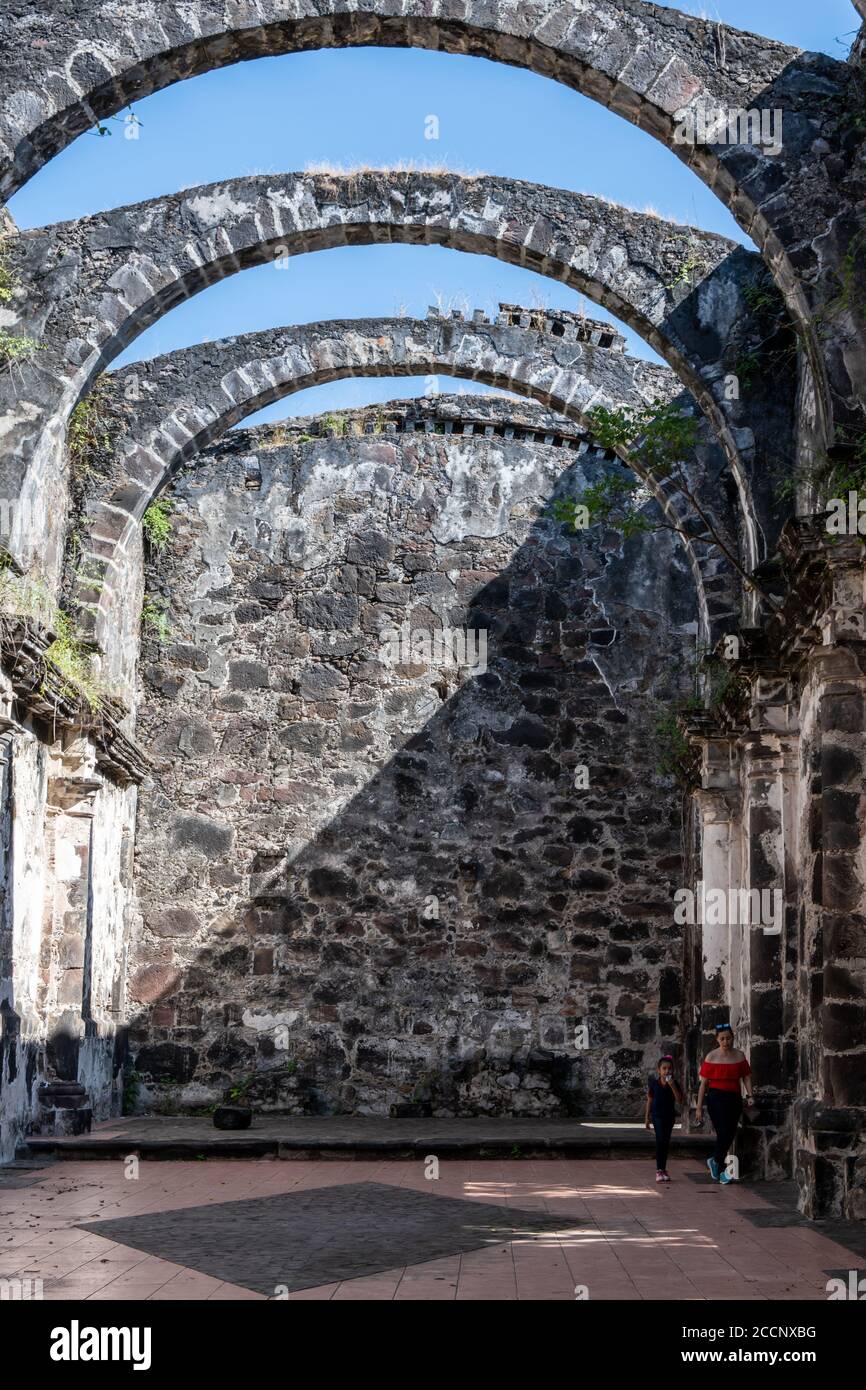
<point>851,275</point>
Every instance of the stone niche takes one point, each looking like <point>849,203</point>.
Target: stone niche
<point>375,881</point>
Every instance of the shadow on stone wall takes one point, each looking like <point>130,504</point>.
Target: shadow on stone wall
<point>440,939</point>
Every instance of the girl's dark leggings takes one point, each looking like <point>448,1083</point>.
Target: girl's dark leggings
<point>725,1109</point>
<point>664,1129</point>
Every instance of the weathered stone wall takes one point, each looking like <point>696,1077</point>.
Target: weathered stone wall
<point>387,887</point>
<point>67,810</point>
<point>381,885</point>
<point>829,1116</point>
<point>779,790</point>
<point>177,404</point>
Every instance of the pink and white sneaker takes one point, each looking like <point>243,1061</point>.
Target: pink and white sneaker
<point>660,1176</point>
<point>665,1176</point>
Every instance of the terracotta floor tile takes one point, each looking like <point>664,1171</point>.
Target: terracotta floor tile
<point>614,1232</point>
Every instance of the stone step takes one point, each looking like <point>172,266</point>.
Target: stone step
<point>343,1137</point>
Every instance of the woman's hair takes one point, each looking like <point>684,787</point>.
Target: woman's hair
<point>667,1058</point>
<point>723,1028</point>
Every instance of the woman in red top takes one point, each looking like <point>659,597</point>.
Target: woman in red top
<point>723,1072</point>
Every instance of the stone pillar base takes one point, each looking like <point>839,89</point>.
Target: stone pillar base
<point>830,1160</point>
<point>63,1109</point>
<point>765,1143</point>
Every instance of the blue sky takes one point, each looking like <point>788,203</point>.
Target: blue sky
<point>369,106</point>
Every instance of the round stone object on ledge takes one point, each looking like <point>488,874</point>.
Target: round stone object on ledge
<point>232,1117</point>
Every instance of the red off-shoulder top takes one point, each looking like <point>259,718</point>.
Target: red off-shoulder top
<point>724,1076</point>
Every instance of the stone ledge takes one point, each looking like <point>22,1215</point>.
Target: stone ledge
<point>40,687</point>
<point>344,1137</point>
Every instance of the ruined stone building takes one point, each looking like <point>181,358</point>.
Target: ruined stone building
<point>254,832</point>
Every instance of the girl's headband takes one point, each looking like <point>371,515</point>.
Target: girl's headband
<point>724,1028</point>
<point>667,1058</point>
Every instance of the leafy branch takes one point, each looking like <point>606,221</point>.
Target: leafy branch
<point>656,439</point>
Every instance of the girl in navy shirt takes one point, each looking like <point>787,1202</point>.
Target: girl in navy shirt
<point>663,1096</point>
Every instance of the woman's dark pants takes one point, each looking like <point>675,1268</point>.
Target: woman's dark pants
<point>725,1108</point>
<point>664,1129</point>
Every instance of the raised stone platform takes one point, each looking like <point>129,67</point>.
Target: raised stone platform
<point>362,1136</point>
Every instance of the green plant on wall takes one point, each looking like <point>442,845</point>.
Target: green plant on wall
<point>26,596</point>
<point>672,748</point>
<point>830,476</point>
<point>764,342</point>
<point>88,577</point>
<point>673,751</point>
<point>156,523</point>
<point>155,618</point>
<point>695,264</point>
<point>337,423</point>
<point>131,1087</point>
<point>763,298</point>
<point>238,1092</point>
<point>746,366</point>
<point>851,274</point>
<point>7,279</point>
<point>90,432</point>
<point>658,436</point>
<point>692,266</point>
<point>16,347</point>
<point>68,654</point>
<point>838,477</point>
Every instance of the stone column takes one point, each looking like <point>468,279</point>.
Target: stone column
<point>21,806</point>
<point>69,833</point>
<point>766,923</point>
<point>718,801</point>
<point>831,1165</point>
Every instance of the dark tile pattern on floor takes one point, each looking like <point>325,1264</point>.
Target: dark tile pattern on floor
<point>772,1219</point>
<point>323,1235</point>
<point>22,1173</point>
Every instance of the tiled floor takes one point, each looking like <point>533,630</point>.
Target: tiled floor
<point>617,1234</point>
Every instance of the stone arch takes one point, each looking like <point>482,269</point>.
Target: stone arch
<point>94,284</point>
<point>183,401</point>
<point>646,64</point>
